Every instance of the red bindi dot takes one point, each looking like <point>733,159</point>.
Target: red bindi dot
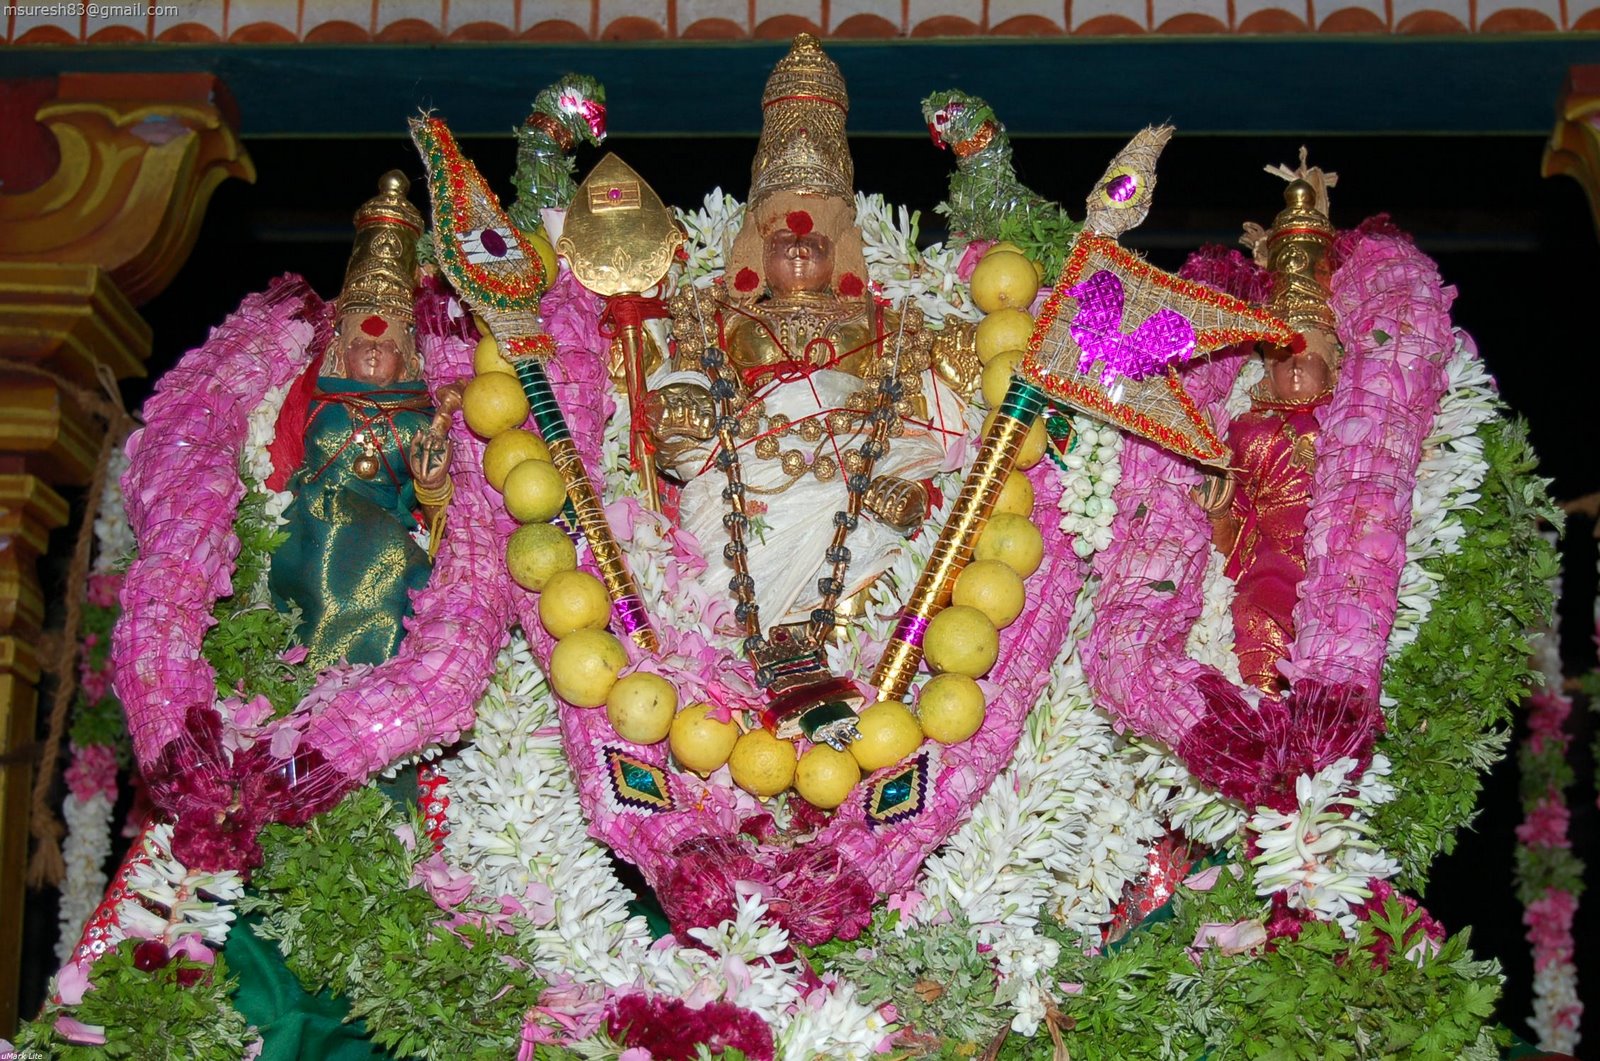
<point>374,325</point>
<point>747,280</point>
<point>798,222</point>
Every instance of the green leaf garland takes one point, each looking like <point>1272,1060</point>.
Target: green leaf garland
<point>1455,686</point>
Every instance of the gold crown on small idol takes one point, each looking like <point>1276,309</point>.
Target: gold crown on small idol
<point>803,147</point>
<point>1297,256</point>
<point>381,275</point>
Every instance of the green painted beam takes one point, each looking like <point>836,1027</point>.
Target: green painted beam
<point>1311,84</point>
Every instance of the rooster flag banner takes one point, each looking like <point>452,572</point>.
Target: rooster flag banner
<point>1110,337</point>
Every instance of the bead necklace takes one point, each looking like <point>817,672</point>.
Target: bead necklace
<point>807,699</point>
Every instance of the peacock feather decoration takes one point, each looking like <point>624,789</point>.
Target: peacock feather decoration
<point>987,201</point>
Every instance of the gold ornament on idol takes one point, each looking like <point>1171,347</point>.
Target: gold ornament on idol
<point>619,240</point>
<point>381,275</point>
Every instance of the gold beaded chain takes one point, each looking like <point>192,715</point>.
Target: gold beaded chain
<point>737,522</point>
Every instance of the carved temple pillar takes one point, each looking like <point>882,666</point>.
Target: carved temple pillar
<point>1574,146</point>
<point>104,180</point>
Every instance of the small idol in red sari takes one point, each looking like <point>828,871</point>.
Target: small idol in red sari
<point>1261,528</point>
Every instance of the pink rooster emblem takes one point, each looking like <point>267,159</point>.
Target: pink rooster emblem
<point>1165,337</point>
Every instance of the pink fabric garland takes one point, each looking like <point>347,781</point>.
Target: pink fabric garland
<point>1394,323</point>
<point>183,489</point>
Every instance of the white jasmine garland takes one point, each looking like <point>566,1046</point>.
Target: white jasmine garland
<point>1448,477</point>
<point>739,965</point>
<point>832,1023</point>
<point>711,230</point>
<point>194,901</point>
<point>1093,469</point>
<point>1064,827</point>
<point>1556,1007</point>
<point>1023,958</point>
<point>1319,856</point>
<point>84,850</point>
<point>255,463</point>
<point>905,275</point>
<point>113,538</point>
<point>515,820</point>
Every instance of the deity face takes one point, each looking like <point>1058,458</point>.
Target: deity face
<point>374,350</point>
<point>1301,376</point>
<point>797,263</point>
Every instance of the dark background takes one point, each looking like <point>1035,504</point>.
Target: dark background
<point>1521,249</point>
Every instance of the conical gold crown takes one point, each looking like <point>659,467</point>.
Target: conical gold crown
<point>383,263</point>
<point>1297,255</point>
<point>802,147</point>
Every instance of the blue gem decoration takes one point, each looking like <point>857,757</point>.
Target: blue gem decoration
<point>637,784</point>
<point>900,794</point>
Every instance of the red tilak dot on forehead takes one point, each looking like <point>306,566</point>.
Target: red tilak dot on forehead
<point>798,221</point>
<point>374,325</point>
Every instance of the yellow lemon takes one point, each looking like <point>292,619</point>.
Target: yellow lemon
<point>1004,329</point>
<point>573,600</point>
<point>1007,245</point>
<point>584,666</point>
<point>963,640</point>
<point>1016,496</point>
<point>992,588</point>
<point>825,777</point>
<point>493,403</point>
<point>1002,245</point>
<point>1004,279</point>
<point>950,708</point>
<point>486,358</point>
<point>481,324</point>
<point>538,551</point>
<point>641,707</point>
<point>509,449</point>
<point>534,491</point>
<point>699,743</point>
<point>1033,444</point>
<point>546,252</point>
<point>1014,541</point>
<point>997,375</point>
<point>761,764</point>
<point>889,733</point>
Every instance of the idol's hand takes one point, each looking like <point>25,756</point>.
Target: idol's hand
<point>446,403</point>
<point>429,458</point>
<point>680,409</point>
<point>1215,493</point>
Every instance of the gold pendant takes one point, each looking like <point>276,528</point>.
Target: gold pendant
<point>366,466</point>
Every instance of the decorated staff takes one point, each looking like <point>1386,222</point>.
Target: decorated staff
<point>500,275</point>
<point>1107,343</point>
<point>619,240</point>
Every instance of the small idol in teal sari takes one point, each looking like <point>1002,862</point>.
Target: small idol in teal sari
<point>374,477</point>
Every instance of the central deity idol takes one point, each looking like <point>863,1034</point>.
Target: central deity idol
<point>808,364</point>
